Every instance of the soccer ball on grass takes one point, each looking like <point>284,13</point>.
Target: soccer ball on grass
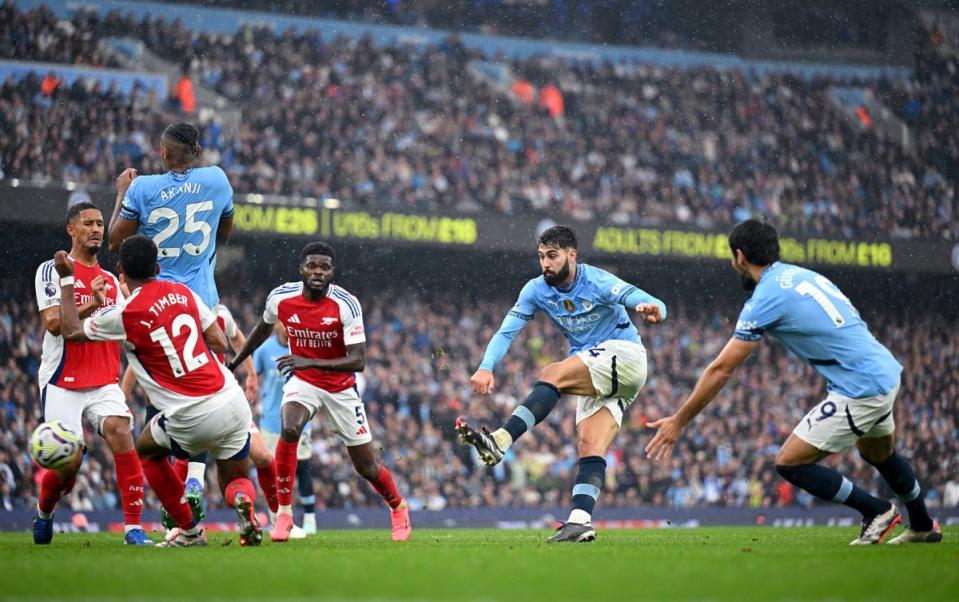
<point>54,444</point>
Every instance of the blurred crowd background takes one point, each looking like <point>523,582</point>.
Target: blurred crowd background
<point>445,129</point>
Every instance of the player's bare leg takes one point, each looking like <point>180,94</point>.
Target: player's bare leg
<point>594,435</point>
<point>364,461</point>
<point>169,488</point>
<point>569,377</point>
<point>55,484</point>
<point>293,417</point>
<point>240,494</point>
<point>797,462</point>
<point>129,473</point>
<point>898,474</point>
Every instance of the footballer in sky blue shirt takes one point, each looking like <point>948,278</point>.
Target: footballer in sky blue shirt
<point>271,380</point>
<point>807,313</point>
<point>186,211</point>
<point>813,319</point>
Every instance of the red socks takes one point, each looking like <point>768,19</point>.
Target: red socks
<point>285,460</point>
<point>52,489</point>
<point>266,475</point>
<point>385,486</point>
<point>180,467</point>
<point>130,483</point>
<point>239,486</point>
<point>169,489</point>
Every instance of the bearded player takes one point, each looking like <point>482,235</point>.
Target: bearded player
<point>79,380</point>
<point>328,344</point>
<point>605,369</point>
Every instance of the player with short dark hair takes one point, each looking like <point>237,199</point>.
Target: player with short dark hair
<point>186,211</point>
<point>603,373</point>
<point>817,322</point>
<point>328,345</point>
<point>79,381</point>
<point>202,408</point>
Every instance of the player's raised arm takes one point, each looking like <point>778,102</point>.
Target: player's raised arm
<point>516,320</point>
<point>710,383</point>
<point>237,341</point>
<point>126,218</point>
<point>632,297</point>
<point>49,293</point>
<point>70,326</point>
<point>260,333</point>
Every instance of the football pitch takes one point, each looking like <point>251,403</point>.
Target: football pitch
<point>478,565</point>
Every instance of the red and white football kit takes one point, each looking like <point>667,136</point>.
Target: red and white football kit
<point>322,330</point>
<point>79,380</point>
<point>202,408</point>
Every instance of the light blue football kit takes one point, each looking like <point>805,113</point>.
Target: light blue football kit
<point>271,382</point>
<point>591,311</point>
<point>592,315</point>
<point>181,212</point>
<point>814,320</point>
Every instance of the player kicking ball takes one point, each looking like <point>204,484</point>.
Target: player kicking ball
<point>324,324</point>
<point>604,372</point>
<point>79,381</point>
<point>170,336</point>
<point>814,320</point>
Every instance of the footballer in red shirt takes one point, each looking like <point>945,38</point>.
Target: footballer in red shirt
<point>328,345</point>
<point>79,380</point>
<point>170,336</point>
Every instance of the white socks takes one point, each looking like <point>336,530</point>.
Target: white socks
<point>503,439</point>
<point>580,517</point>
<point>196,470</point>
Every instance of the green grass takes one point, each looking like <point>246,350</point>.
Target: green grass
<point>477,565</point>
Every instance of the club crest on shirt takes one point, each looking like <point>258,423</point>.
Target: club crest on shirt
<point>569,305</point>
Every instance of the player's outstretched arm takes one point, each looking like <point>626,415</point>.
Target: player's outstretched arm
<point>516,320</point>
<point>710,383</point>
<point>260,333</point>
<point>252,384</point>
<point>649,307</point>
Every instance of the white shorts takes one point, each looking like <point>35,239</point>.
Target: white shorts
<point>344,409</point>
<point>304,448</point>
<point>219,425</point>
<point>618,372</point>
<point>70,406</point>
<point>839,421</point>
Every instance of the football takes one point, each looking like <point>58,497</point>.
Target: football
<point>54,444</point>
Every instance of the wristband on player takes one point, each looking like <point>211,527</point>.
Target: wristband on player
<point>66,281</point>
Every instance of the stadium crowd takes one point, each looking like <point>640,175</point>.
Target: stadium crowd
<point>419,360</point>
<point>408,127</point>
